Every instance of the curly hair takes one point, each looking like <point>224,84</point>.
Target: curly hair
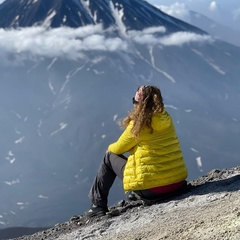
<point>150,104</point>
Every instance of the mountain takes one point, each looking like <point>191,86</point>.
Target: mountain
<point>215,29</point>
<point>76,13</point>
<point>63,90</point>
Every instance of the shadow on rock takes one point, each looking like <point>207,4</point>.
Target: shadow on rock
<point>216,181</point>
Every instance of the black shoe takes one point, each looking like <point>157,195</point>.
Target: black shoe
<point>96,211</point>
<point>132,196</point>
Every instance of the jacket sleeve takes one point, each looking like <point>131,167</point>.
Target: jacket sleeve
<point>125,142</point>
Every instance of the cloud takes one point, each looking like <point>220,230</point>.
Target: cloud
<point>73,44</point>
<point>177,10</point>
<point>146,36</point>
<point>175,39</point>
<point>213,6</point>
<point>180,38</point>
<point>67,42</point>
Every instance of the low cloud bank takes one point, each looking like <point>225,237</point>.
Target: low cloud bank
<point>72,43</point>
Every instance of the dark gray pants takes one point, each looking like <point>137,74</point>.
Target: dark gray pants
<point>112,165</point>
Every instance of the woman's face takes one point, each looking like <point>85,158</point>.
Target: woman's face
<point>139,95</point>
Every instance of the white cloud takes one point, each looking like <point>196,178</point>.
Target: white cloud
<point>152,30</point>
<point>177,10</point>
<point>58,42</point>
<point>146,36</point>
<point>175,39</point>
<point>73,43</point>
<point>180,38</point>
<point>213,6</point>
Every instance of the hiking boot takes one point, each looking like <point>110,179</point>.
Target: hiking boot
<point>96,211</point>
<point>132,196</point>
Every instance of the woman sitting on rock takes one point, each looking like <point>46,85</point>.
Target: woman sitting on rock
<point>155,166</point>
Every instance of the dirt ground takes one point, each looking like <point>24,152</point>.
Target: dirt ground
<point>210,210</point>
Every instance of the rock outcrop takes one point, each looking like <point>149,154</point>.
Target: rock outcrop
<point>209,210</point>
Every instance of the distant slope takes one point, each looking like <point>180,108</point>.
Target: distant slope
<point>215,29</point>
<point>10,233</point>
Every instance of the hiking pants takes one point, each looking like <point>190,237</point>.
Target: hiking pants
<point>112,165</point>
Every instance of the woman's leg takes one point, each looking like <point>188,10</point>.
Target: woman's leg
<point>112,165</point>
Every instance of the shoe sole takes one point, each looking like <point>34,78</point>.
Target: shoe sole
<point>95,214</point>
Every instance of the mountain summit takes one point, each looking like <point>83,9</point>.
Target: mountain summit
<point>76,13</point>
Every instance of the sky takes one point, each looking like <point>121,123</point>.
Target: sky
<point>226,12</point>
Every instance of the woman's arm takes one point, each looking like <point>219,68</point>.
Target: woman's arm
<point>125,142</point>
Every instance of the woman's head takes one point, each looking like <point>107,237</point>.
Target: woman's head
<point>147,102</point>
<point>149,97</point>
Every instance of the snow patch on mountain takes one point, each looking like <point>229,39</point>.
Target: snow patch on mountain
<point>49,18</point>
<point>118,15</point>
<point>86,5</point>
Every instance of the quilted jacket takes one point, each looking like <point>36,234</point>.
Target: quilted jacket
<point>155,159</point>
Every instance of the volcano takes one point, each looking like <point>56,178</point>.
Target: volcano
<point>136,15</point>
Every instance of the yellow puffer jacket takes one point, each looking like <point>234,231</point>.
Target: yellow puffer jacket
<point>155,159</point>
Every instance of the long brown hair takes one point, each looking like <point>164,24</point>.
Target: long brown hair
<point>150,104</point>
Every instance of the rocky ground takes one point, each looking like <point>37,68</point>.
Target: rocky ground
<point>210,210</point>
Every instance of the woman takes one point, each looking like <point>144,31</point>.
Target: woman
<point>155,166</point>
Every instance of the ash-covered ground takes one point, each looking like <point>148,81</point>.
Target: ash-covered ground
<point>210,210</point>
